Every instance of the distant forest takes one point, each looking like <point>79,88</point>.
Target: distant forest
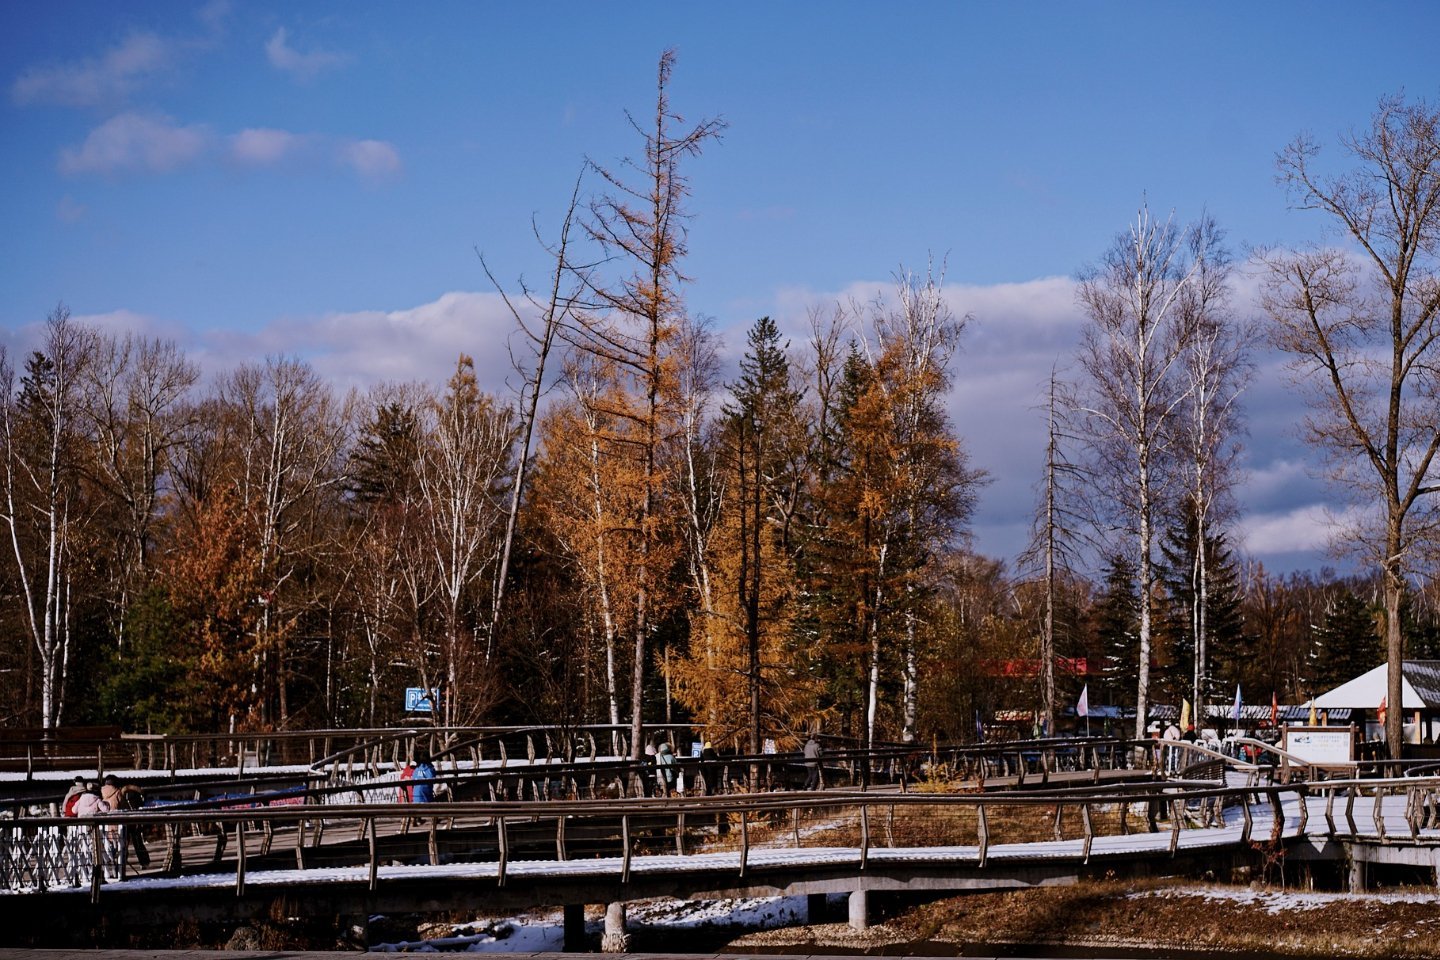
<point>629,537</point>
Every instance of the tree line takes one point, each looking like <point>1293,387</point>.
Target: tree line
<point>629,537</point>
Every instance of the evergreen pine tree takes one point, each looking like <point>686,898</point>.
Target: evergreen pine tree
<point>1117,631</point>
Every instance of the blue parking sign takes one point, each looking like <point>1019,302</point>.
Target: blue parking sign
<point>420,700</point>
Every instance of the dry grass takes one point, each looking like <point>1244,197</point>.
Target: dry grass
<point>1107,915</point>
<point>922,825</point>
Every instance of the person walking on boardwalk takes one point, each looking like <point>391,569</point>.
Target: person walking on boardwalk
<point>423,790</point>
<point>812,763</point>
<point>72,796</point>
<point>664,768</point>
<point>127,796</point>
<point>710,768</point>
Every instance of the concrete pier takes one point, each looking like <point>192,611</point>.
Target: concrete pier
<point>615,940</point>
<point>859,910</point>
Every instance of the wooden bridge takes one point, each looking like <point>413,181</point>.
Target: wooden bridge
<point>572,833</point>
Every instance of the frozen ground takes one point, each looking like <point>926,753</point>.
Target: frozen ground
<point>1284,901</point>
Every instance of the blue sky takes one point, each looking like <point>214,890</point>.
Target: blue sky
<point>314,178</point>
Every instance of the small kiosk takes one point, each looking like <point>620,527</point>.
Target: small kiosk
<point>1365,695</point>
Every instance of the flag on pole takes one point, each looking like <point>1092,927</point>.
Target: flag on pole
<point>1381,711</point>
<point>1184,714</point>
<point>1312,713</point>
<point>1235,714</point>
<point>1082,708</point>
<point>1274,709</point>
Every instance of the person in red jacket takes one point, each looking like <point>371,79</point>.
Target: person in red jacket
<point>67,806</point>
<point>407,792</point>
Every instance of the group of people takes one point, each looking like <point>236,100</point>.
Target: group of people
<point>421,772</point>
<point>669,779</point>
<point>89,799</point>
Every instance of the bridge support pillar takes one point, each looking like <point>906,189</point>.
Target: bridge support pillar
<point>615,940</point>
<point>859,910</point>
<point>816,909</point>
<point>574,928</point>
<point>1357,875</point>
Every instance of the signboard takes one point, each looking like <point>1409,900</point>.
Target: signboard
<point>420,700</point>
<point>1320,745</point>
<point>696,748</point>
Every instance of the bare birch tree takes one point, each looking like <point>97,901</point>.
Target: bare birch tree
<point>41,433</point>
<point>135,393</point>
<point>1217,369</point>
<point>1132,390</point>
<point>1362,324</point>
<point>464,473</point>
<point>286,444</point>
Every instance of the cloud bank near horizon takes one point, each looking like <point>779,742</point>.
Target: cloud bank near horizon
<point>1016,333</point>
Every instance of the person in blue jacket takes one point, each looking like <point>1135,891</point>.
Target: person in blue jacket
<point>423,790</point>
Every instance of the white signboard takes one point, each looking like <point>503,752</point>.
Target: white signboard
<point>1320,745</point>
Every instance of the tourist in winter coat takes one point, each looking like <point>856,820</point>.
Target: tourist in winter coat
<point>67,806</point>
<point>91,804</point>
<point>423,791</point>
<point>710,768</point>
<point>812,763</point>
<point>407,773</point>
<point>127,796</point>
<point>121,796</point>
<point>664,769</point>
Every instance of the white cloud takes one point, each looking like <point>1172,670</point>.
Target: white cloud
<point>373,160</point>
<point>302,66</point>
<point>109,79</point>
<point>263,147</point>
<point>1019,330</point>
<point>148,143</point>
<point>1308,528</point>
<point>136,142</point>
<point>214,14</point>
<point>70,210</point>
<point>366,347</point>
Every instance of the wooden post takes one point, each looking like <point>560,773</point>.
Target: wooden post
<point>744,840</point>
<point>97,863</point>
<point>504,839</point>
<point>239,857</point>
<point>374,853</point>
<point>864,834</point>
<point>625,856</point>
<point>984,833</point>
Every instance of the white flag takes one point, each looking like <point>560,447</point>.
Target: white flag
<point>1082,709</point>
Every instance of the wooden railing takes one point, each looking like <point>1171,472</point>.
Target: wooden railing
<point>45,852</point>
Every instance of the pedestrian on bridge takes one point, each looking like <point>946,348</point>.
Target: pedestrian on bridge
<point>67,806</point>
<point>424,789</point>
<point>664,769</point>
<point>127,796</point>
<point>812,763</point>
<point>90,803</point>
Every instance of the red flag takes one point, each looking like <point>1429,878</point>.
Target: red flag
<point>1381,712</point>
<point>1274,710</point>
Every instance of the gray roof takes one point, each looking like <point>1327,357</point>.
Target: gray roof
<point>1424,676</point>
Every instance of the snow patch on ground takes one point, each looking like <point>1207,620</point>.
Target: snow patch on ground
<point>1282,901</point>
<point>543,931</point>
